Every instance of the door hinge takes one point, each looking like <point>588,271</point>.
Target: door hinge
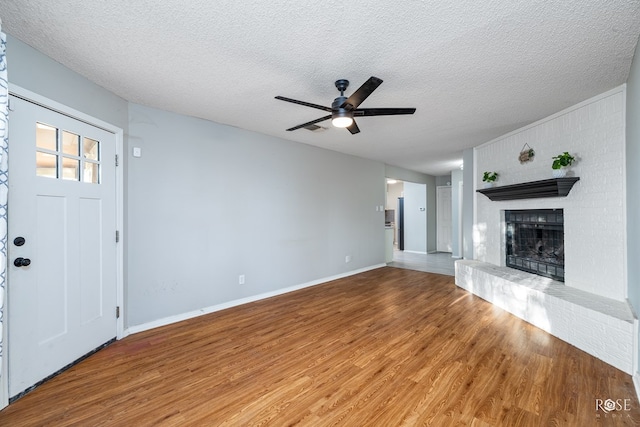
<point>117,236</point>
<point>117,312</point>
<point>117,161</point>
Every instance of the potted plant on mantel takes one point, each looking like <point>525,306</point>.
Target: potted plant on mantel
<point>561,163</point>
<point>489,179</point>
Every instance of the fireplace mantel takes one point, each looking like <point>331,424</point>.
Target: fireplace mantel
<point>556,187</point>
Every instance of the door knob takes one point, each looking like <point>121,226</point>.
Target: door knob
<point>22,262</point>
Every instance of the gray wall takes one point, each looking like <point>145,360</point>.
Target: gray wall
<point>443,180</point>
<point>456,214</point>
<point>633,184</point>
<point>209,202</point>
<point>38,73</point>
<point>432,217</point>
<point>407,175</point>
<point>467,202</point>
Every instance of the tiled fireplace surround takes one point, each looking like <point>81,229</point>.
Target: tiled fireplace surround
<point>589,310</point>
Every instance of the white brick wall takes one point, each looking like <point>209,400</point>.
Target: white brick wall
<point>594,132</point>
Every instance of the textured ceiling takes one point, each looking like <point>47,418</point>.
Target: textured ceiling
<point>474,70</point>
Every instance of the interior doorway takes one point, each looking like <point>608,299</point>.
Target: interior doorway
<point>412,216</point>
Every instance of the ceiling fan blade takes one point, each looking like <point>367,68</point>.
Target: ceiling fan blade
<point>362,93</point>
<point>353,128</point>
<point>361,112</point>
<point>306,104</point>
<point>312,122</point>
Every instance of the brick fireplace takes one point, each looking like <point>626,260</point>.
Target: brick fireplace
<point>593,211</point>
<point>576,299</point>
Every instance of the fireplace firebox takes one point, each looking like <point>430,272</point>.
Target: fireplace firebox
<point>535,241</point>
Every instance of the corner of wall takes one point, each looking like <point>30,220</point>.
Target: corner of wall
<point>632,156</point>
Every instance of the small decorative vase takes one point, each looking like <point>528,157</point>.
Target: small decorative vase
<point>559,173</point>
<point>489,184</point>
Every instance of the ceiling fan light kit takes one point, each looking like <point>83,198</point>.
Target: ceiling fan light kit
<point>343,109</point>
<point>342,118</point>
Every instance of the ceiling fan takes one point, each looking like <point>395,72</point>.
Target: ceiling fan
<point>343,110</point>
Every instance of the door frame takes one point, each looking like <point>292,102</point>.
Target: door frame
<point>47,103</point>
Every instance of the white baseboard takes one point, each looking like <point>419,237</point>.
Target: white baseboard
<point>211,309</point>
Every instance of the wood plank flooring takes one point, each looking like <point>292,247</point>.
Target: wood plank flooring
<point>389,347</point>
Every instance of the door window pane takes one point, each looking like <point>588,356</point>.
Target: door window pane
<point>90,149</point>
<point>70,169</point>
<point>66,155</point>
<point>46,137</point>
<point>91,173</point>
<point>46,165</point>
<point>70,143</point>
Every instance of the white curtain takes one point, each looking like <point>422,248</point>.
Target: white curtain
<point>4,186</point>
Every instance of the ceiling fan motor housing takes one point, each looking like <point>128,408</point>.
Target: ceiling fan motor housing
<point>335,105</point>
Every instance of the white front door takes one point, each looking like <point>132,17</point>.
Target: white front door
<point>62,283</point>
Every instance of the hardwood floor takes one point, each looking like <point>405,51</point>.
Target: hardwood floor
<point>389,347</point>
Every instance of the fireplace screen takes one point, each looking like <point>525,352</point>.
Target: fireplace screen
<point>535,241</point>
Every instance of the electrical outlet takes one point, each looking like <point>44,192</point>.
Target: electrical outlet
<point>347,258</point>
<point>241,279</point>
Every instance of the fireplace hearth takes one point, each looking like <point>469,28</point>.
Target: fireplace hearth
<point>535,241</point>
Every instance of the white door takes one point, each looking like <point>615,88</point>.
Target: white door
<point>443,219</point>
<point>62,222</point>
